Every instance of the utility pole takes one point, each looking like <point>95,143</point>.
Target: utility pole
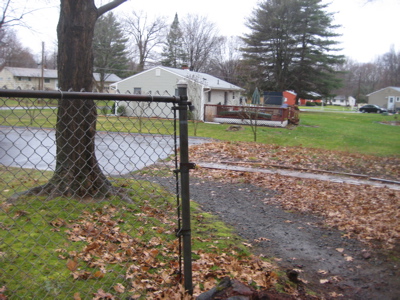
<point>41,83</point>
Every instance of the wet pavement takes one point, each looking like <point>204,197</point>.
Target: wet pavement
<point>117,153</point>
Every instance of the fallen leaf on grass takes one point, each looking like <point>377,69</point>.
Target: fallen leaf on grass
<point>119,288</point>
<point>101,295</point>
<point>72,265</point>
<point>77,296</point>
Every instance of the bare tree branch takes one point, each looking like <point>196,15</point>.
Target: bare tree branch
<point>109,6</point>
<point>147,35</point>
<point>14,16</point>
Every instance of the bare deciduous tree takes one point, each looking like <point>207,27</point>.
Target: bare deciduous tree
<point>389,64</point>
<point>12,53</point>
<point>147,35</point>
<point>200,41</point>
<point>227,64</point>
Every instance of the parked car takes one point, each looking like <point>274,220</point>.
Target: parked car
<point>372,108</point>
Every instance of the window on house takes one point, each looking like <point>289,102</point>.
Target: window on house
<point>397,99</point>
<point>158,72</point>
<point>233,95</point>
<point>176,92</point>
<point>46,80</point>
<point>209,96</point>
<point>24,78</point>
<point>137,91</point>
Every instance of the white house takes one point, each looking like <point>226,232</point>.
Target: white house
<point>159,81</point>
<point>30,78</point>
<point>342,101</point>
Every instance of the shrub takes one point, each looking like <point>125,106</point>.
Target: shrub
<point>104,110</point>
<point>121,111</point>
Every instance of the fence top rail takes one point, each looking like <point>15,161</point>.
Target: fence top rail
<point>87,96</point>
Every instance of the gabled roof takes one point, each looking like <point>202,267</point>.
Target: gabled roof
<point>204,79</point>
<point>397,89</point>
<point>107,77</point>
<point>49,73</point>
<point>30,72</point>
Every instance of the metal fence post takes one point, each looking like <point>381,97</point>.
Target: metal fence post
<point>185,166</point>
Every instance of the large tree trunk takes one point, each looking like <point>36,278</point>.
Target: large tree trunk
<point>77,172</point>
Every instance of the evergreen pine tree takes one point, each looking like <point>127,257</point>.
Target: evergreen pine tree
<point>109,48</point>
<point>173,53</point>
<point>292,44</point>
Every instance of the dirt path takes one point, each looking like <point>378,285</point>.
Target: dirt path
<point>329,262</point>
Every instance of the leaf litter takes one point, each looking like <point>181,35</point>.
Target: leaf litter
<point>148,274</point>
<point>370,214</point>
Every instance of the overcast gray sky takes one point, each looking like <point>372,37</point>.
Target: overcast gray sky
<point>369,29</point>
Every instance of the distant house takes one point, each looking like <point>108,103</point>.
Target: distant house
<point>388,98</point>
<point>202,89</point>
<point>342,100</point>
<point>28,78</point>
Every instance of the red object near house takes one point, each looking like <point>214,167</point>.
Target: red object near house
<point>291,98</point>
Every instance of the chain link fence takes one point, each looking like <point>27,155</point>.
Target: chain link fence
<point>85,211</point>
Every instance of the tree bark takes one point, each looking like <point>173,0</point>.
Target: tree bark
<point>77,172</point>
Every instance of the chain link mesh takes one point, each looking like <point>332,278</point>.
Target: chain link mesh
<point>60,245</point>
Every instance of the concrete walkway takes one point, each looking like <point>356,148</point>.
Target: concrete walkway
<point>299,174</point>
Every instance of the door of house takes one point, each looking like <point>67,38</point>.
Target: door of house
<point>391,103</point>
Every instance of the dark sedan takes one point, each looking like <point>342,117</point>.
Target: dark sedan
<point>372,108</point>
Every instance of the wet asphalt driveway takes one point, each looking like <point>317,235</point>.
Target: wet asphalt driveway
<point>117,153</point>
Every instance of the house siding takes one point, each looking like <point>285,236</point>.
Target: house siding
<point>9,80</point>
<point>163,81</point>
<point>382,97</point>
<point>28,78</point>
<point>165,85</point>
<point>290,98</point>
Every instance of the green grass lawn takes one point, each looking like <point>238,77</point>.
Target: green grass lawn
<point>61,248</point>
<point>334,108</point>
<point>350,132</point>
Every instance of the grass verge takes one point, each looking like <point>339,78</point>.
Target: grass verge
<point>69,249</point>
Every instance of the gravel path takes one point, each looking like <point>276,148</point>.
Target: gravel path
<point>328,262</point>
